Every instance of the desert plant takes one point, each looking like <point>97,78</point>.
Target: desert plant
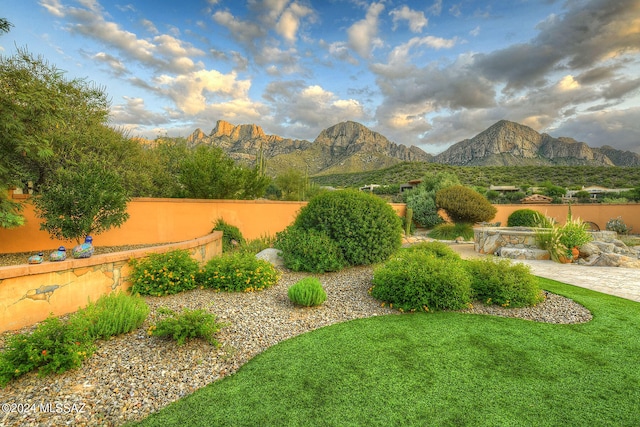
<point>524,218</point>
<point>617,225</point>
<point>451,231</point>
<point>231,235</point>
<point>309,250</point>
<point>238,272</point>
<point>549,240</point>
<point>423,204</point>
<point>574,234</point>
<point>366,229</point>
<point>436,249</point>
<point>407,222</point>
<point>53,347</point>
<point>187,325</point>
<point>559,240</point>
<point>259,244</point>
<point>113,314</point>
<point>307,292</point>
<point>463,204</point>
<point>163,274</point>
<point>416,281</point>
<point>503,283</point>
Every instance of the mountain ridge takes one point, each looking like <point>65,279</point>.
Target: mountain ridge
<point>350,147</point>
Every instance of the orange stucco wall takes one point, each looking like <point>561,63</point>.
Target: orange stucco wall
<point>29,293</point>
<point>166,221</point>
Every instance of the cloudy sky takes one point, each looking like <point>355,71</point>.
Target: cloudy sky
<point>426,73</point>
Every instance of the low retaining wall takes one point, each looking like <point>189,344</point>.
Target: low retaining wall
<point>29,293</point>
<point>488,240</point>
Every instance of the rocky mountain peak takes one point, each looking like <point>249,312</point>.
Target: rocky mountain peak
<point>241,132</point>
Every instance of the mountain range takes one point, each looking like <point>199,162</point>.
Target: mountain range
<point>352,147</point>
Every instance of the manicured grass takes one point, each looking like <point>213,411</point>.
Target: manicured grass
<point>437,369</point>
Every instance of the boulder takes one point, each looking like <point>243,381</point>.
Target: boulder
<point>272,256</point>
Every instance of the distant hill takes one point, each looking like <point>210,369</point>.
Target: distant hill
<point>349,147</point>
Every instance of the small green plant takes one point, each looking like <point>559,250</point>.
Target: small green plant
<point>574,234</point>
<point>307,292</point>
<point>256,245</point>
<point>53,347</point>
<point>549,240</point>
<point>231,235</point>
<point>309,250</point>
<point>524,218</point>
<point>559,240</point>
<point>418,281</point>
<point>503,283</point>
<point>164,274</point>
<point>423,204</point>
<point>113,314</point>
<point>451,231</point>
<point>617,225</point>
<point>408,222</point>
<point>187,325</point>
<point>238,272</point>
<point>464,204</point>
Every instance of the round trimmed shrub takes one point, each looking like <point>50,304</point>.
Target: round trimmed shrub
<point>238,272</point>
<point>524,218</point>
<point>309,250</point>
<point>307,292</point>
<point>437,249</point>
<point>463,204</point>
<point>366,229</point>
<point>164,274</point>
<point>425,212</point>
<point>504,283</point>
<point>416,281</point>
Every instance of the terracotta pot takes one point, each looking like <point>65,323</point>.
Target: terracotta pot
<point>575,253</point>
<point>564,259</point>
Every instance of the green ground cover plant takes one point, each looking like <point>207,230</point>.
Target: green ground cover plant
<point>163,274</point>
<point>238,272</point>
<point>443,368</point>
<point>307,292</point>
<point>230,234</point>
<point>186,325</point>
<point>451,231</point>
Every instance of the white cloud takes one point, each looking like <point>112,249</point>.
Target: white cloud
<point>53,7</point>
<point>416,19</point>
<point>289,22</point>
<point>362,34</point>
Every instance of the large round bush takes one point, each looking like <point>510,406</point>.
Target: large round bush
<point>464,204</point>
<point>420,281</point>
<point>309,250</point>
<point>524,218</point>
<point>366,229</point>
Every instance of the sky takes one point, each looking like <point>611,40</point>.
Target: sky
<point>425,73</point>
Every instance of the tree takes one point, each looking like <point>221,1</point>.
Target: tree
<point>85,200</point>
<point>47,122</point>
<point>292,183</point>
<point>5,25</point>
<point>209,173</point>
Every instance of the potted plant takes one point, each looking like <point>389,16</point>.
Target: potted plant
<point>562,241</point>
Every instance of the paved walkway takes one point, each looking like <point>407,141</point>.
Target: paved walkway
<point>621,282</point>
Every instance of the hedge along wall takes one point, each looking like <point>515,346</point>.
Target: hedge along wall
<point>29,293</point>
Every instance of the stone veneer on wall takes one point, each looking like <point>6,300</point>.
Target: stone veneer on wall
<point>29,293</point>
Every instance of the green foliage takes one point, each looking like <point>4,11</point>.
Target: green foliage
<point>207,172</point>
<point>549,239</point>
<point>560,239</point>
<point>420,281</point>
<point>436,249</point>
<point>618,225</point>
<point>53,347</point>
<point>365,228</point>
<point>463,204</point>
<point>230,234</point>
<point>309,250</point>
<point>574,233</point>
<point>407,222</point>
<point>292,184</point>
<point>5,25</point>
<point>504,283</point>
<point>439,180</point>
<point>163,274</point>
<point>449,231</point>
<point>80,201</point>
<point>187,325</point>
<point>307,292</point>
<point>257,245</point>
<point>423,204</point>
<point>113,314</point>
<point>238,272</point>
<point>524,218</point>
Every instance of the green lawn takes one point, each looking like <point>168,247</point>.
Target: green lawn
<point>437,369</point>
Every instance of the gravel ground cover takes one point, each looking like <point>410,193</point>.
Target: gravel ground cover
<point>133,375</point>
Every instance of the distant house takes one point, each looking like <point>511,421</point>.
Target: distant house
<point>536,198</point>
<point>369,187</point>
<point>596,191</point>
<point>504,188</point>
<point>410,185</point>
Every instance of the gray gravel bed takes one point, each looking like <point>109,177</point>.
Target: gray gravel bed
<point>133,375</point>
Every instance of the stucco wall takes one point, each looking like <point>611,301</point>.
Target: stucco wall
<point>29,293</point>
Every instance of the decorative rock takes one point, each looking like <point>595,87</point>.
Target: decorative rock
<point>36,259</point>
<point>272,256</point>
<point>59,255</point>
<point>524,253</point>
<point>84,250</point>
